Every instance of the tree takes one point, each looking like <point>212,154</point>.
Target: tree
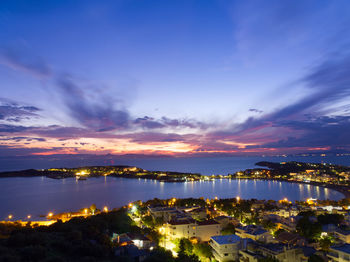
<point>325,242</point>
<point>308,229</point>
<point>269,225</point>
<point>228,230</point>
<point>160,255</point>
<point>93,209</point>
<point>185,247</point>
<point>186,258</point>
<point>202,250</point>
<point>330,219</point>
<point>148,221</point>
<point>268,259</point>
<point>315,258</point>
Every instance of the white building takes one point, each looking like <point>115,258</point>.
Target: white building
<point>343,235</point>
<point>255,233</point>
<point>190,228</point>
<point>339,254</point>
<point>225,248</point>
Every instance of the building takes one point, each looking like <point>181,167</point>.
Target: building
<point>198,213</point>
<point>165,213</point>
<point>255,233</point>
<point>343,235</point>
<point>339,253</point>
<point>291,239</point>
<point>288,224</point>
<point>225,248</point>
<point>225,220</point>
<point>190,228</point>
<point>280,252</point>
<point>286,212</point>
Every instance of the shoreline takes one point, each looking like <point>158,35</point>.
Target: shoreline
<point>341,189</point>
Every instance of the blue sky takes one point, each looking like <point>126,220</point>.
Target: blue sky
<point>174,77</point>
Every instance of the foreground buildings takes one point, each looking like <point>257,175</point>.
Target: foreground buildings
<point>339,253</point>
<point>190,228</point>
<point>254,230</point>
<point>226,248</point>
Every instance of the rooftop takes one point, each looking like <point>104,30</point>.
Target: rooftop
<point>228,239</point>
<point>162,209</point>
<point>252,230</point>
<point>207,222</point>
<point>343,248</point>
<point>343,232</point>
<point>181,222</point>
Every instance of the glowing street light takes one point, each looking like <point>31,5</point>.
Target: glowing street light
<point>85,211</point>
<point>130,205</point>
<point>50,215</point>
<point>29,216</point>
<point>105,209</point>
<point>10,216</point>
<point>238,198</point>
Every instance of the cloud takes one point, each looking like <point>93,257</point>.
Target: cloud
<point>255,110</point>
<point>12,112</point>
<point>154,137</point>
<point>23,138</point>
<point>98,112</point>
<point>24,62</point>
<point>303,122</point>
<point>151,123</point>
<point>4,128</point>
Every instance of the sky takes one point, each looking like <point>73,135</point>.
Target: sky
<point>175,78</point>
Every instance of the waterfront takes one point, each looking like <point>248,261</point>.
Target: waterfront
<point>203,165</point>
<point>40,195</point>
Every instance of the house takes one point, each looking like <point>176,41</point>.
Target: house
<point>190,228</point>
<point>166,213</point>
<point>288,224</point>
<point>255,233</point>
<point>198,213</point>
<point>225,248</point>
<point>132,252</point>
<point>141,241</point>
<point>225,220</point>
<point>329,228</point>
<point>121,239</point>
<point>286,212</point>
<point>249,256</point>
<point>254,252</point>
<point>291,239</point>
<point>339,253</point>
<point>343,235</point>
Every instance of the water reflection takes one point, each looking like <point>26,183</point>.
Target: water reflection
<point>22,196</point>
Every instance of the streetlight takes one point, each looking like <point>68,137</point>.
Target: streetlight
<point>10,216</point>
<point>85,211</point>
<point>29,216</point>
<point>50,215</point>
<point>105,209</point>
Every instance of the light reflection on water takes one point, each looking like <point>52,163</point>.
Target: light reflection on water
<point>23,196</point>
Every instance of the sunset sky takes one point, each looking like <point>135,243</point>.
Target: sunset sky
<point>181,78</point>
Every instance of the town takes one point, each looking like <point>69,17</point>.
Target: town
<point>321,174</point>
<point>192,229</point>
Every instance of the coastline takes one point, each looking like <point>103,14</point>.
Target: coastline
<point>341,189</point>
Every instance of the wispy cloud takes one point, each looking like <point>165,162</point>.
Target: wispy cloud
<point>99,112</point>
<point>13,112</point>
<point>27,63</point>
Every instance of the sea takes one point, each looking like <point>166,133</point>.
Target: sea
<point>38,196</point>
